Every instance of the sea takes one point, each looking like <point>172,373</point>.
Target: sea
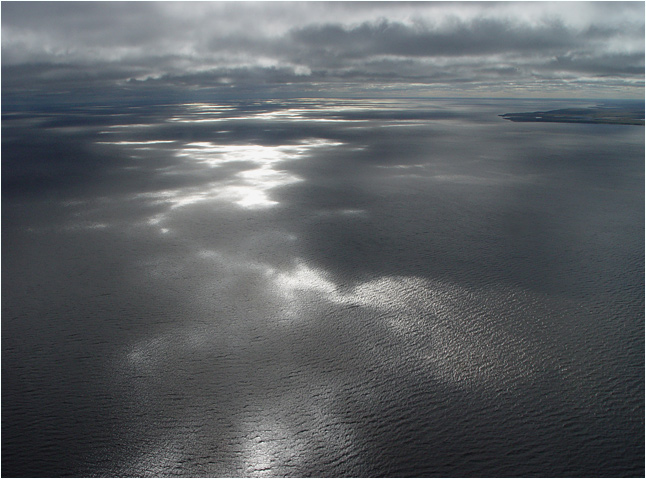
<point>321,288</point>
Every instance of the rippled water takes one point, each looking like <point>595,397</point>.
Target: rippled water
<point>321,288</point>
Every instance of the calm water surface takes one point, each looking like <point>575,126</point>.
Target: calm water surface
<point>321,288</point>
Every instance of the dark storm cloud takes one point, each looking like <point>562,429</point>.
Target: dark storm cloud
<point>477,37</point>
<point>56,45</point>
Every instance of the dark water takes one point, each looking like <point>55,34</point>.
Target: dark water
<point>305,288</point>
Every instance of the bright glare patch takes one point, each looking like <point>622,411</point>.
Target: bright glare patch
<point>208,113</point>
<point>266,443</point>
<point>214,155</point>
<point>249,188</point>
<point>248,197</point>
<point>414,308</point>
<point>303,278</point>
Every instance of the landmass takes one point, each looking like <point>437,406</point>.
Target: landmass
<point>599,114</point>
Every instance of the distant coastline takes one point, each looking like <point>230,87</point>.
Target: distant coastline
<point>601,115</point>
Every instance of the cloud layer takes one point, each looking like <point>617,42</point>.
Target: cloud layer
<point>481,49</point>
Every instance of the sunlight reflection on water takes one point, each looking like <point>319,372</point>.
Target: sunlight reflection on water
<point>428,317</point>
<point>367,317</point>
<point>248,188</point>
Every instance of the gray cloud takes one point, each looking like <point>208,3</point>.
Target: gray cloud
<point>619,64</point>
<point>480,36</point>
<point>523,46</point>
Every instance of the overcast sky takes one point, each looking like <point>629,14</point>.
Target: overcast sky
<point>524,49</point>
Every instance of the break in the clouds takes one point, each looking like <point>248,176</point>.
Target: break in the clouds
<point>572,49</point>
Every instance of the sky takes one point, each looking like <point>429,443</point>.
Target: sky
<point>429,49</point>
